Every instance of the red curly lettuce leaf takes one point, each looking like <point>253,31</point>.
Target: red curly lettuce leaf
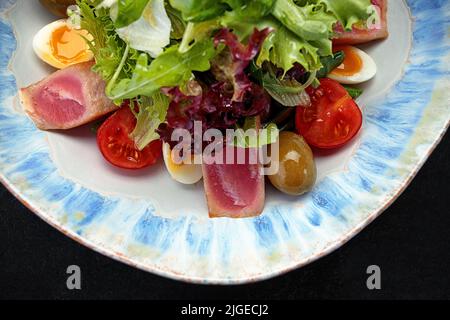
<point>229,67</point>
<point>215,108</point>
<point>226,99</point>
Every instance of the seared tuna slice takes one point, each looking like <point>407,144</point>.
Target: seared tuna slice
<point>234,190</point>
<point>362,35</point>
<point>67,99</point>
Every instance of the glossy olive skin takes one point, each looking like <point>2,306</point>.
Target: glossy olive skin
<point>297,172</point>
<point>58,7</point>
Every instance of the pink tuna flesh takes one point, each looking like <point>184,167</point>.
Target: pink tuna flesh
<point>234,190</point>
<point>357,35</point>
<point>61,100</point>
<point>67,99</point>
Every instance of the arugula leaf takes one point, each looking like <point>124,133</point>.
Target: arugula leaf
<point>199,10</point>
<point>152,112</point>
<point>196,32</point>
<point>129,11</point>
<point>354,92</point>
<point>330,63</point>
<point>288,92</point>
<point>169,69</point>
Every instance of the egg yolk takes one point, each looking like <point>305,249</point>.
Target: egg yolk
<point>179,164</point>
<point>68,45</point>
<point>352,63</point>
<point>173,165</point>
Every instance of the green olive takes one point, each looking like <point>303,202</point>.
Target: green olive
<point>297,170</point>
<point>58,7</point>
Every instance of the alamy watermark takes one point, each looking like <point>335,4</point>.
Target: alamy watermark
<point>73,282</point>
<point>374,280</point>
<point>235,146</point>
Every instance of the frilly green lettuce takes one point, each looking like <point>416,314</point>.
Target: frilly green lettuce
<point>348,12</point>
<point>152,112</point>
<point>305,30</point>
<point>301,29</point>
<point>283,48</point>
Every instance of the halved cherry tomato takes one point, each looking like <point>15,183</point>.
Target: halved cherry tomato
<point>113,139</point>
<point>332,120</point>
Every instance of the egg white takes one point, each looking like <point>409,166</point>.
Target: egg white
<point>185,173</point>
<point>367,72</point>
<point>42,47</point>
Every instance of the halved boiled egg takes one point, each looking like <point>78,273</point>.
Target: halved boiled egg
<point>358,66</point>
<point>186,173</point>
<point>60,45</point>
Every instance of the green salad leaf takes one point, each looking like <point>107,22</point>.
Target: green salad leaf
<point>304,28</point>
<point>330,63</point>
<point>152,112</point>
<point>283,48</point>
<point>288,92</point>
<point>249,136</point>
<point>285,90</point>
<point>309,22</point>
<point>169,69</point>
<point>196,32</point>
<point>129,11</point>
<point>106,45</point>
<point>250,10</point>
<point>178,24</point>
<point>348,12</point>
<point>199,10</point>
<point>354,92</point>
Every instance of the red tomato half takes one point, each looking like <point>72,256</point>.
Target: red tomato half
<point>113,139</point>
<point>332,120</point>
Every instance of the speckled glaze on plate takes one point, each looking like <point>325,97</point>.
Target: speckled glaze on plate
<point>164,230</point>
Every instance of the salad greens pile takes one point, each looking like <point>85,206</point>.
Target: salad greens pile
<point>143,46</point>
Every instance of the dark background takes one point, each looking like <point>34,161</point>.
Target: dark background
<point>410,243</point>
